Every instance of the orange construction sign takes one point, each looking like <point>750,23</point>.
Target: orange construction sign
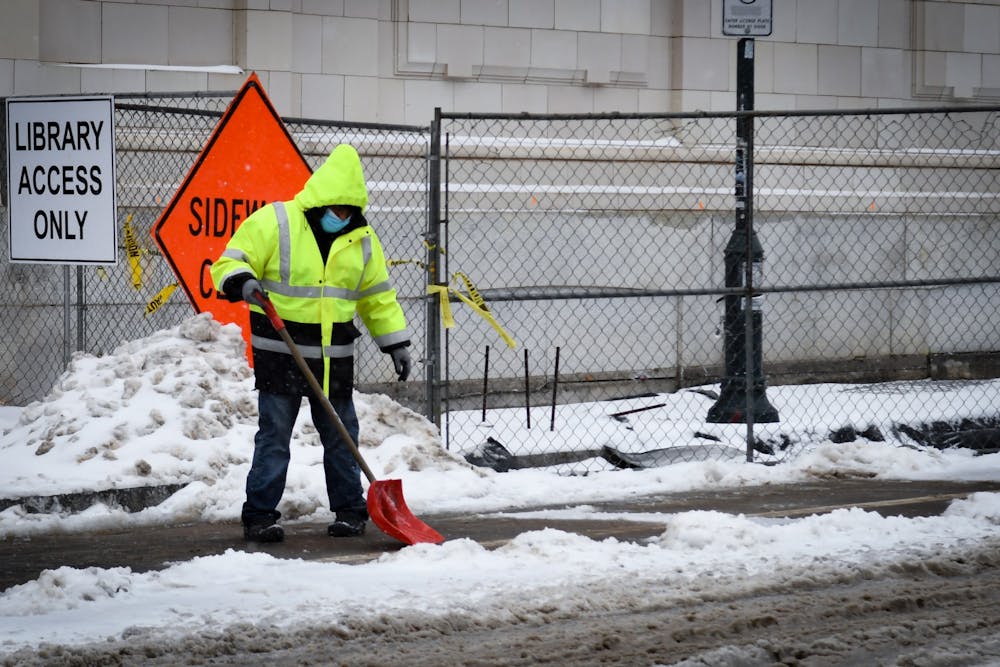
<point>249,161</point>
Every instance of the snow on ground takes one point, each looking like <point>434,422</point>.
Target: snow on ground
<point>178,408</point>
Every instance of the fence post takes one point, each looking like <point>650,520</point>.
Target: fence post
<point>742,395</point>
<point>432,345</point>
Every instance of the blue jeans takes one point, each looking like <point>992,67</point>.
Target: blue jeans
<point>266,480</point>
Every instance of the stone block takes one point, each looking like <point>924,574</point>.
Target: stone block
<point>599,52</point>
<point>175,81</point>
<point>33,78</point>
<point>361,99</point>
<point>200,36</point>
<point>626,16</point>
<point>93,80</point>
<point>783,26</point>
<point>517,98</point>
<point>507,47</point>
<point>421,42</point>
<point>307,47</point>
<point>943,26</point>
<point>700,64</point>
<point>816,22</point>
<point>692,18</point>
<point>350,46</point>
<point>991,71</point>
<point>839,70</point>
<point>484,12</point>
<point>460,47</point>
<point>268,41</point>
<point>654,101</point>
<point>857,23</point>
<point>584,15</point>
<point>570,99</point>
<point>421,97</point>
<point>554,49</point>
<point>478,97</point>
<point>323,96</point>
<point>795,68</point>
<point>435,11</point>
<point>763,75</point>
<point>532,14</point>
<point>392,101</point>
<point>134,34</point>
<point>622,100</point>
<point>885,73</point>
<point>19,30</point>
<point>69,31</point>
<point>982,28</point>
<point>894,24</point>
<point>963,72</point>
<point>326,7</point>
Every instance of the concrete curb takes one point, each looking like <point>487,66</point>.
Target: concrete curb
<point>131,499</point>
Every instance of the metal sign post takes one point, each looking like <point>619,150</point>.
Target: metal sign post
<point>742,395</point>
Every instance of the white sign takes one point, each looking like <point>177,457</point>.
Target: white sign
<point>61,180</point>
<point>746,18</point>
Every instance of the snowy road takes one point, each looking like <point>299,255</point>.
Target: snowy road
<point>939,611</point>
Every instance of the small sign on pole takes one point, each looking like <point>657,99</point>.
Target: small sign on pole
<point>61,180</point>
<point>746,18</point>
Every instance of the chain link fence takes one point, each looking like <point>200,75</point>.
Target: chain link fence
<point>48,312</point>
<point>599,244</point>
<point>596,245</point>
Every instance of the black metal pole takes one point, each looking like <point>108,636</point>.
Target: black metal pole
<point>433,305</point>
<point>555,388</point>
<point>486,376</point>
<point>527,393</point>
<point>742,396</point>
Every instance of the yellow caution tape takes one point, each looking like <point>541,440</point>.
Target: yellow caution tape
<point>397,262</point>
<point>432,247</point>
<point>160,299</point>
<point>132,250</point>
<point>446,316</point>
<point>473,292</point>
<point>474,300</point>
<point>486,315</point>
<point>448,319</point>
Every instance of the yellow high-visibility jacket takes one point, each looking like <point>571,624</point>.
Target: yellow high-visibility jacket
<point>316,299</point>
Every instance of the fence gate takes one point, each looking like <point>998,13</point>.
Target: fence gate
<point>598,242</point>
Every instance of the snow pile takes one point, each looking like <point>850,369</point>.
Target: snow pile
<point>178,408</point>
<point>162,410</point>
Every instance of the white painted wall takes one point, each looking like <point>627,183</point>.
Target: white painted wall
<point>395,60</point>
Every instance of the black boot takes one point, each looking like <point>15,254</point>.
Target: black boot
<point>263,532</point>
<point>261,525</point>
<point>348,524</point>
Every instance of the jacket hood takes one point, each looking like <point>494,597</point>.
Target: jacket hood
<point>338,181</point>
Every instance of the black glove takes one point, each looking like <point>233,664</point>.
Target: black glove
<point>401,360</point>
<point>252,292</point>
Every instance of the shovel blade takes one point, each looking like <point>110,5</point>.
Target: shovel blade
<point>389,512</point>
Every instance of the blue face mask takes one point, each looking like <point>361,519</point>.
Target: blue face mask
<point>331,223</point>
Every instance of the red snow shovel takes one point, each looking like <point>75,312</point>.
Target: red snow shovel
<point>386,505</point>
